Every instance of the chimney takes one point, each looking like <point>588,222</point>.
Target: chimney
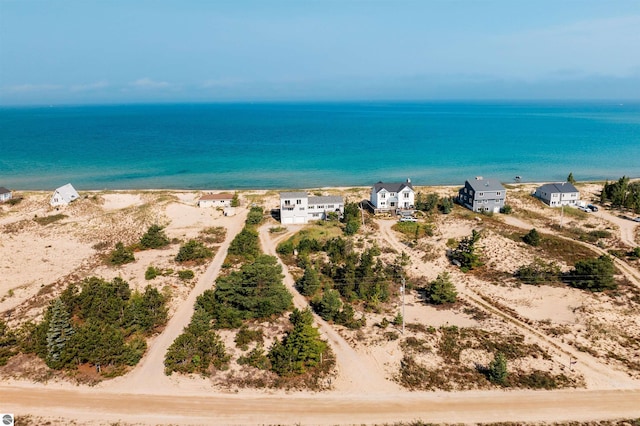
<point>408,180</point>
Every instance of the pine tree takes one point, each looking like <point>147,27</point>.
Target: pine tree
<point>497,371</point>
<point>570,179</point>
<point>59,333</point>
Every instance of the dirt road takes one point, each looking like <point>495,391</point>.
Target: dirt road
<point>328,409</point>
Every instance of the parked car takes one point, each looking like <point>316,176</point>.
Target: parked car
<point>637,219</point>
<point>408,219</point>
<point>592,207</point>
<point>585,209</point>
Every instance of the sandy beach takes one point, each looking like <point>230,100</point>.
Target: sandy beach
<point>590,338</point>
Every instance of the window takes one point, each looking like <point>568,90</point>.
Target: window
<point>329,206</point>
<point>392,204</point>
<point>287,202</point>
<point>480,194</point>
<point>498,193</point>
<point>298,201</point>
<point>321,206</point>
<point>316,215</point>
<point>383,195</point>
<point>393,194</point>
<point>406,195</point>
<point>301,208</point>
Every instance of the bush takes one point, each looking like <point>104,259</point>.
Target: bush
<point>538,272</point>
<point>8,343</point>
<point>507,209</point>
<point>246,244</point>
<point>154,238</point>
<point>245,335</point>
<point>121,255</point>
<point>309,283</point>
<point>464,255</point>
<point>532,238</point>
<point>193,251</point>
<point>186,274</point>
<point>255,216</point>
<point>592,274</point>
<point>151,273</point>
<point>441,290</point>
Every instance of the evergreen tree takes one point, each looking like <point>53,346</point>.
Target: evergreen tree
<point>441,290</point>
<point>121,255</point>
<point>328,306</point>
<point>570,179</point>
<point>300,349</point>
<point>309,283</point>
<point>497,370</point>
<point>592,274</point>
<point>59,334</point>
<point>193,250</point>
<point>465,254</point>
<point>154,238</point>
<point>532,238</point>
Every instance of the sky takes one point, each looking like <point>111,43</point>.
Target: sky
<point>123,51</point>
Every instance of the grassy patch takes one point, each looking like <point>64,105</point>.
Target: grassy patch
<point>46,220</point>
<point>414,230</point>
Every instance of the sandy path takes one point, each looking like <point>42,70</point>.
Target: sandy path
<point>626,226</point>
<point>87,406</point>
<point>358,373</point>
<point>148,376</point>
<point>596,375</point>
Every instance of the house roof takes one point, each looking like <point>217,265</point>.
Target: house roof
<point>68,193</point>
<point>481,184</point>
<point>392,187</point>
<point>4,190</point>
<point>213,197</point>
<point>335,199</point>
<point>561,187</point>
<point>293,195</point>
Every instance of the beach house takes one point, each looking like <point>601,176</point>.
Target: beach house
<point>482,195</point>
<point>215,200</point>
<point>391,197</point>
<point>558,194</point>
<point>5,194</point>
<point>64,195</point>
<point>299,207</point>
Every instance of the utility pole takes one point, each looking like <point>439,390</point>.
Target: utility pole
<point>402,289</point>
<point>561,214</point>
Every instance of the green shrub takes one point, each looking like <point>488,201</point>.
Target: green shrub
<point>46,220</point>
<point>255,216</point>
<point>245,335</point>
<point>154,238</point>
<point>151,273</point>
<point>193,250</point>
<point>121,255</point>
<point>186,274</point>
<point>497,369</point>
<point>441,290</point>
<point>532,238</point>
<point>246,244</point>
<point>592,274</point>
<point>538,272</point>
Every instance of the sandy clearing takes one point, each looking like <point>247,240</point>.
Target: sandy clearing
<point>120,201</point>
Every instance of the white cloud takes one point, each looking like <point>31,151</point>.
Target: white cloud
<point>147,83</point>
<point>30,88</point>
<point>90,86</point>
<point>222,83</point>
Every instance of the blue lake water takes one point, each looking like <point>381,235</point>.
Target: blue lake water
<point>299,145</point>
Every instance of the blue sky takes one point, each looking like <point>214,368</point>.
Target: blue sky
<point>112,51</point>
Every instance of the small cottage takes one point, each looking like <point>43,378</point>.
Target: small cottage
<point>5,194</point>
<point>215,200</point>
<point>558,194</point>
<point>299,207</point>
<point>64,195</point>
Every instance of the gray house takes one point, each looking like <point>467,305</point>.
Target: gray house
<point>558,194</point>
<point>5,194</point>
<point>482,195</point>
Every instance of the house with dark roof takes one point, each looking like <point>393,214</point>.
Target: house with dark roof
<point>5,194</point>
<point>64,195</point>
<point>215,200</point>
<point>558,194</point>
<point>482,195</point>
<point>299,207</point>
<point>391,197</point>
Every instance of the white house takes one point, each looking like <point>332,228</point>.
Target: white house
<point>215,200</point>
<point>64,195</point>
<point>393,196</point>
<point>5,194</point>
<point>299,207</point>
<point>558,194</point>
